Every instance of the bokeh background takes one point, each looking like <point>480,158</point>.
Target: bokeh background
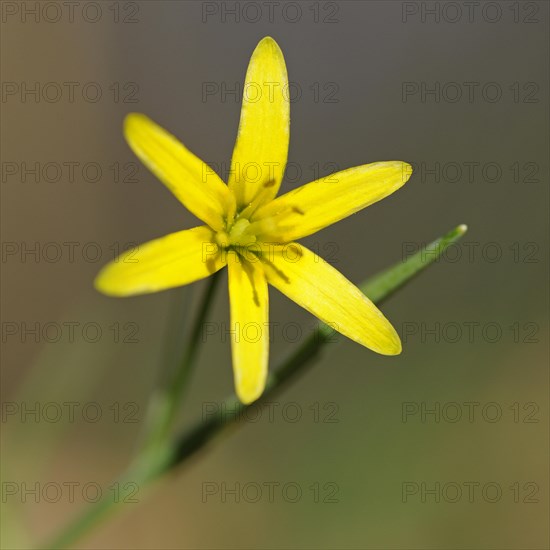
<point>474,326</point>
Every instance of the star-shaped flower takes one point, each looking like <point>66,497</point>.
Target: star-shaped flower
<point>251,231</point>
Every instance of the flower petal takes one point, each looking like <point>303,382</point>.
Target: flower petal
<point>248,296</point>
<point>315,285</point>
<point>328,200</point>
<point>174,260</point>
<point>261,148</point>
<point>190,179</point>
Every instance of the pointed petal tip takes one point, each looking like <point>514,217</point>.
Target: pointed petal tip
<point>133,122</point>
<point>396,349</point>
<point>110,286</point>
<point>130,118</point>
<point>406,170</point>
<point>392,346</point>
<point>387,342</point>
<point>103,283</point>
<point>247,395</point>
<point>102,286</point>
<point>269,42</point>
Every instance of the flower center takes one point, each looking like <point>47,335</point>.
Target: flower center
<point>239,234</point>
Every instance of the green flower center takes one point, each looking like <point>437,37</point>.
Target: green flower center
<point>238,235</point>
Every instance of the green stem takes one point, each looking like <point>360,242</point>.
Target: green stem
<point>155,454</point>
<point>165,407</point>
<point>158,461</point>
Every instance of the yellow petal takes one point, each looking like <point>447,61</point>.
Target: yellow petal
<point>248,296</point>
<point>323,202</point>
<point>190,179</point>
<point>308,280</point>
<point>261,149</point>
<point>174,260</point>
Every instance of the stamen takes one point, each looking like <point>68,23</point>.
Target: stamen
<point>247,268</point>
<point>257,201</point>
<point>297,249</point>
<point>231,211</point>
<point>275,268</point>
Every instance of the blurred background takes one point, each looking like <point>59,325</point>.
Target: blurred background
<point>445,446</point>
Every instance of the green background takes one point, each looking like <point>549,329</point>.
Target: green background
<point>371,450</point>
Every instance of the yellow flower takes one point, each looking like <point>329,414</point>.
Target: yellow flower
<point>251,231</point>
